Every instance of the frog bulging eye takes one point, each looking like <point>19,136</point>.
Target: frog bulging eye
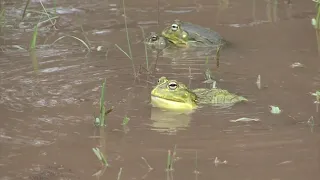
<point>172,85</point>
<point>174,27</point>
<point>154,38</point>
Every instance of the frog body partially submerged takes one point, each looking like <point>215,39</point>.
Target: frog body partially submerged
<point>171,94</point>
<point>156,41</point>
<point>187,34</point>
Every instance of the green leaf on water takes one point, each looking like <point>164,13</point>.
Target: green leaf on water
<point>100,156</point>
<point>125,120</point>
<point>275,109</point>
<point>97,153</point>
<point>317,95</point>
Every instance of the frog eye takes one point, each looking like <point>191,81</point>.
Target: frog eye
<point>154,38</point>
<point>173,85</point>
<point>174,27</point>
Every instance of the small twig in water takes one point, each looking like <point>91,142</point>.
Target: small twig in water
<point>134,69</point>
<point>100,172</point>
<point>150,168</point>
<point>40,24</point>
<point>119,174</point>
<point>25,9</point>
<point>84,35</point>
<point>127,33</point>
<point>47,13</point>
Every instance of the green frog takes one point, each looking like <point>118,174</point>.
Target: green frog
<point>186,34</point>
<point>172,94</point>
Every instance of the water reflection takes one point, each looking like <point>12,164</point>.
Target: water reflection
<point>288,9</point>
<point>272,10</point>
<point>184,59</point>
<point>169,122</point>
<point>223,5</point>
<point>34,59</point>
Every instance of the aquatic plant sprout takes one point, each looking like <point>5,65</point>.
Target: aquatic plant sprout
<point>275,109</point>
<point>34,38</point>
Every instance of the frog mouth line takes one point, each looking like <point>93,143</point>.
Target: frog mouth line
<point>167,99</point>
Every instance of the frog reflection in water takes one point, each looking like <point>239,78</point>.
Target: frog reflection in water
<point>171,94</point>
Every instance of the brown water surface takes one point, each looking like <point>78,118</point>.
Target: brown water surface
<point>48,99</point>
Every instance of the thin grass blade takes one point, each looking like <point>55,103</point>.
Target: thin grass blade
<point>34,37</point>
<point>102,106</point>
<point>85,44</point>
<point>145,48</point>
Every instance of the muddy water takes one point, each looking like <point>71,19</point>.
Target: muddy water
<point>47,100</point>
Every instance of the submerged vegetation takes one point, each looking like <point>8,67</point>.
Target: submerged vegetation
<point>129,55</point>
<point>128,40</point>
<point>52,17</point>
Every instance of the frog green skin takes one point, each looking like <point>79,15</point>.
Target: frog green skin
<point>187,34</point>
<point>172,94</point>
<point>159,42</point>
